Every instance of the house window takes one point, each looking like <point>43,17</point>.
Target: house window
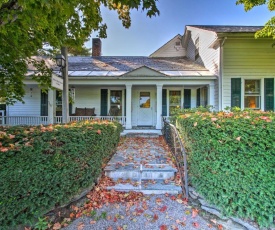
<point>174,101</point>
<point>252,94</point>
<point>197,46</point>
<point>144,100</point>
<point>177,43</point>
<point>115,103</point>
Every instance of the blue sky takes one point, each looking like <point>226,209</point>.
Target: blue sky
<point>147,34</point>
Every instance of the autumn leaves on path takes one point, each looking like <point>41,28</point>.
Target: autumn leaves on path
<point>117,210</point>
<point>143,165</point>
<point>112,210</point>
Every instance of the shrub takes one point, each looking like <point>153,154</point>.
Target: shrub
<point>232,161</point>
<point>43,167</point>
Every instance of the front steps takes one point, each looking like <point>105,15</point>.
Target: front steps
<point>148,179</point>
<point>153,133</point>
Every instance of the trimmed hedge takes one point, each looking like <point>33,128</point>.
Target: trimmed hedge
<point>43,167</point>
<point>232,161</point>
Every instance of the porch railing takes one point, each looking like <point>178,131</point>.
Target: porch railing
<point>23,120</point>
<point>120,119</point>
<point>44,120</point>
<point>172,138</point>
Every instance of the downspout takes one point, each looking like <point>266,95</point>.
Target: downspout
<point>221,74</point>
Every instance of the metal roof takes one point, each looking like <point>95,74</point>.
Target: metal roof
<point>228,28</point>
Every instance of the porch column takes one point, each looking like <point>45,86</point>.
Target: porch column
<point>128,106</point>
<point>211,94</point>
<point>159,106</point>
<point>50,106</point>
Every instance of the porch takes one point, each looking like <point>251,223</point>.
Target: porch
<point>134,105</point>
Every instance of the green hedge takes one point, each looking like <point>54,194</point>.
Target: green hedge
<point>232,161</point>
<point>43,167</point>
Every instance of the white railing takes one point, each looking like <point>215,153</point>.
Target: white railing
<point>57,119</point>
<point>120,119</point>
<point>38,120</point>
<point>23,120</point>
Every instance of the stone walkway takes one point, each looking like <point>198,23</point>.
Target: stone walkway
<point>143,165</point>
<point>116,210</point>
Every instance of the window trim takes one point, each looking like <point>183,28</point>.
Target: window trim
<point>261,79</point>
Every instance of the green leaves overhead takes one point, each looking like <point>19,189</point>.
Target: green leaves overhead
<point>268,30</point>
<point>26,27</point>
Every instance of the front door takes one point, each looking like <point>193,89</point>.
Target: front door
<point>145,108</point>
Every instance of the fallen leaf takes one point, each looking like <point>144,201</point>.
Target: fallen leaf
<point>179,201</point>
<point>163,209</point>
<point>155,217</point>
<point>195,212</point>
<point>220,227</point>
<point>80,226</point>
<point>238,138</point>
<point>92,222</point>
<point>163,227</point>
<point>57,226</point>
<point>195,224</point>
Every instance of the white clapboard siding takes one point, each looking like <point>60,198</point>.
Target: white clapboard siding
<point>87,97</point>
<point>246,58</point>
<point>31,107</point>
<point>209,57</point>
<point>170,49</point>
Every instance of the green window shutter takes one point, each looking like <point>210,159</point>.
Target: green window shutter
<point>236,92</point>
<point>164,102</point>
<point>198,97</point>
<point>269,94</point>
<point>187,98</point>
<point>44,104</point>
<point>104,102</point>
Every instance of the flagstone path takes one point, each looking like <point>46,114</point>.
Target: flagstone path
<point>112,209</point>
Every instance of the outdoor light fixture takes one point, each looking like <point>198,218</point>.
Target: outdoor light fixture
<point>60,61</point>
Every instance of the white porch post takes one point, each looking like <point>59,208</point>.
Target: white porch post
<point>159,106</point>
<point>129,106</point>
<point>211,94</point>
<point>50,106</point>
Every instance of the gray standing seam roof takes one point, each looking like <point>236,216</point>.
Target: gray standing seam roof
<point>229,29</point>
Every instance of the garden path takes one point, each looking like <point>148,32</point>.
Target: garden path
<point>111,209</point>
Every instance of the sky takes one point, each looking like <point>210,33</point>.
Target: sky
<point>148,34</point>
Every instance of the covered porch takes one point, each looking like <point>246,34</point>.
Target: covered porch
<point>134,105</point>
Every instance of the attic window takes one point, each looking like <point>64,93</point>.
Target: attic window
<point>197,46</point>
<point>177,43</point>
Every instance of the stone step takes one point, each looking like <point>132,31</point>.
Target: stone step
<point>150,133</point>
<point>148,187</point>
<point>134,171</point>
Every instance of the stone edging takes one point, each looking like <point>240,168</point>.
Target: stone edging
<point>227,222</point>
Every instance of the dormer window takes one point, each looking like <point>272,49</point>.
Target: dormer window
<point>197,46</point>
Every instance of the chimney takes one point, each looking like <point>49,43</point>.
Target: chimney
<point>96,50</point>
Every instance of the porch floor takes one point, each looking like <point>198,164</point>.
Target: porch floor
<point>143,164</point>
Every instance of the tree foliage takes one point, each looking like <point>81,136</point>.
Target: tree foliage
<point>27,27</point>
<point>268,30</point>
